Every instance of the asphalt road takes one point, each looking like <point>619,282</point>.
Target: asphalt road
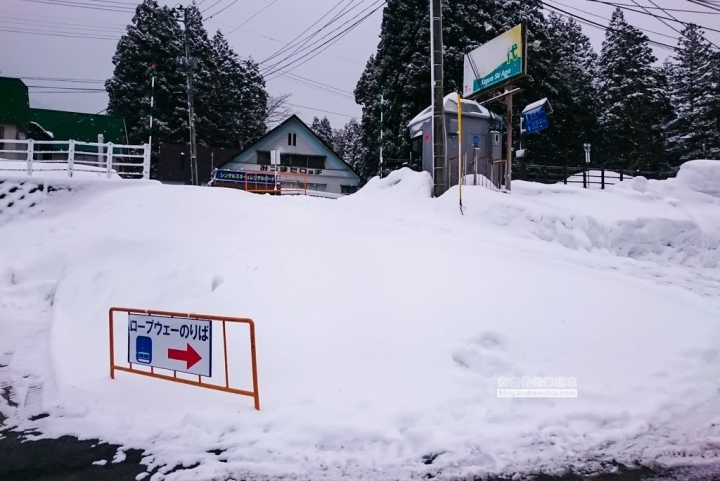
<point>69,459</point>
<point>63,459</point>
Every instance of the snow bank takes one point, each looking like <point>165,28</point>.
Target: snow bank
<point>403,183</point>
<point>701,176</point>
<point>384,321</point>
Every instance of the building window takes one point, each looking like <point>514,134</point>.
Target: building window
<point>317,187</point>
<point>348,189</point>
<point>292,139</point>
<point>304,161</point>
<point>263,157</point>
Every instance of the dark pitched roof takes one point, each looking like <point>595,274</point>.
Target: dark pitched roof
<point>14,101</point>
<point>295,117</point>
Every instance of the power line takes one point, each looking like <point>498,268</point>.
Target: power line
<point>603,27</point>
<point>321,110</point>
<point>211,6</point>
<point>252,16</point>
<point>711,6</point>
<point>663,21</point>
<point>70,3</point>
<point>669,14</point>
<point>61,79</point>
<point>58,25</point>
<point>48,34</point>
<point>65,92</point>
<point>317,49</point>
<point>53,18</point>
<point>665,9</point>
<point>223,9</point>
<point>303,45</point>
<point>605,18</point>
<point>613,4</point>
<point>91,89</point>
<point>291,43</point>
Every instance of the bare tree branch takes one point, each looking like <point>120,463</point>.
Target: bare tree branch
<point>277,110</point>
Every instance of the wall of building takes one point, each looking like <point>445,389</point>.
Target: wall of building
<point>9,132</point>
<point>334,178</point>
<point>478,155</point>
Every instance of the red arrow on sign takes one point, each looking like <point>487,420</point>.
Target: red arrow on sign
<point>190,356</point>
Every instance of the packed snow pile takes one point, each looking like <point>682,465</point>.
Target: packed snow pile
<point>400,183</point>
<point>386,323</point>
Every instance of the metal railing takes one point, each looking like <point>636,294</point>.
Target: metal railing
<point>587,175</point>
<point>128,161</point>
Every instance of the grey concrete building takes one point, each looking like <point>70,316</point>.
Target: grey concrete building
<point>482,141</point>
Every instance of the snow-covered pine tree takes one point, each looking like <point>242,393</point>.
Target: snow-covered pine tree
<point>323,130</point>
<point>690,77</point>
<point>711,121</point>
<point>353,146</point>
<point>366,94</point>
<point>153,38</point>
<point>348,144</point>
<point>569,86</point>
<point>227,96</point>
<point>239,97</point>
<point>634,102</point>
<point>401,66</point>
<point>254,103</point>
<point>338,142</point>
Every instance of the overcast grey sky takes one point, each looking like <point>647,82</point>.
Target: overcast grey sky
<point>29,50</point>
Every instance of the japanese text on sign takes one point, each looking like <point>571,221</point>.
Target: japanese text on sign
<point>238,176</point>
<point>176,344</point>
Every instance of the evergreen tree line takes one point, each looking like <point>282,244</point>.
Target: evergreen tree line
<point>637,115</point>
<point>230,99</point>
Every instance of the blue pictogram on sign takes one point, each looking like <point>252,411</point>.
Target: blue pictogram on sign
<point>143,349</point>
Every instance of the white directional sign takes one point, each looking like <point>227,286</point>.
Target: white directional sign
<point>173,343</point>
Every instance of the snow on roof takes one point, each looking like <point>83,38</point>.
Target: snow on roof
<point>43,129</point>
<point>469,108</point>
<point>536,105</point>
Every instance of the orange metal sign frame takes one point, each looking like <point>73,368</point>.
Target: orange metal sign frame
<point>255,394</point>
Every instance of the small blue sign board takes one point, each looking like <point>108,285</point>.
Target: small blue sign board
<point>535,120</point>
<point>249,177</point>
<point>476,140</point>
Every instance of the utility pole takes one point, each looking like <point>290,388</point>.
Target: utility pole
<point>508,164</point>
<point>382,127</point>
<point>153,74</point>
<point>190,65</point>
<point>438,129</point>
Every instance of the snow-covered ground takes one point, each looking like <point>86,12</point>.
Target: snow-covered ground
<point>384,321</point>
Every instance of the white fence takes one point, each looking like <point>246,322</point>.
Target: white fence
<point>128,161</point>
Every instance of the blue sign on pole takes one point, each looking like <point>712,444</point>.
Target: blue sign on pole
<point>476,140</point>
<point>249,177</point>
<point>535,120</point>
